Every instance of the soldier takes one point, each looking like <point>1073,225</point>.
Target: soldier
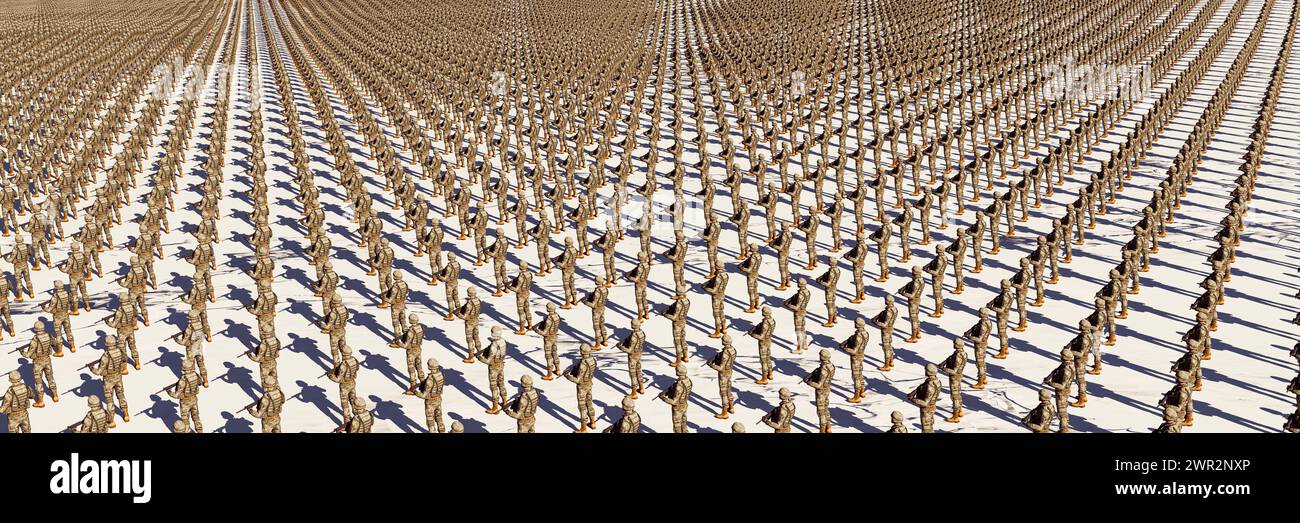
<point>632,345</point>
<point>396,299</point>
<point>716,286</point>
<point>470,313</point>
<point>1079,346</point>
<point>1060,380</point>
<point>581,374</point>
<point>608,245</point>
<point>15,402</point>
<point>596,300</point>
<point>495,358</point>
<point>111,366</point>
<point>96,419</point>
<point>1180,397</point>
<point>782,416</point>
<point>936,268</point>
<point>896,423</point>
<point>412,341</point>
<point>58,307</point>
<point>781,244</point>
<point>522,285</point>
<point>829,280</point>
<point>857,257</point>
<point>524,407</point>
<point>881,237</point>
<point>450,275</point>
<point>751,265</point>
<point>457,427</point>
<point>362,420</point>
<point>955,368</point>
<point>345,374</point>
<point>979,336</point>
<point>567,260</point>
<point>820,380</point>
<point>1039,420</point>
<point>630,422</point>
<point>856,347</point>
<point>268,407</point>
<point>678,312</point>
<point>678,396</point>
<point>722,363</point>
<point>926,396</point>
<point>75,267</point>
<point>885,320</point>
<point>335,324</point>
<point>1171,420</point>
<point>913,291</point>
<point>38,352</point>
<point>640,276</point>
<point>5,310</point>
<point>549,328</point>
<point>763,333</point>
<point>430,390</point>
<point>799,304</point>
<point>186,391</point>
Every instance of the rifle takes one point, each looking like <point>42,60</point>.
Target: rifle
<point>73,427</point>
<point>249,406</point>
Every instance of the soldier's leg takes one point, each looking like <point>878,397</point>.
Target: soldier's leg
<point>1062,412</point>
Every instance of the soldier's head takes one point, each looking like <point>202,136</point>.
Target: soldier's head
<point>337,300</point>
<point>726,339</point>
<point>1006,284</point>
<point>328,266</point>
<point>916,270</point>
<point>397,276</point>
<point>1024,262</point>
<point>1042,240</point>
<point>15,377</point>
<point>346,350</point>
<point>1067,355</point>
<point>179,427</point>
<point>1044,395</point>
<point>681,371</point>
<point>738,428</point>
<point>76,247</point>
<point>550,307</point>
<point>433,363</point>
<point>457,427</point>
<point>1183,376</point>
<point>92,401</point>
<point>358,402</point>
<point>135,260</point>
<point>629,404</point>
<point>473,292</point>
<point>270,382</point>
<point>767,311</point>
<point>188,364</point>
<point>896,417</point>
<point>584,349</point>
<point>526,382</point>
<point>784,393</point>
<point>802,282</point>
<point>931,370</point>
<point>123,297</point>
<point>1114,274</point>
<point>58,285</point>
<point>859,323</point>
<point>568,241</point>
<point>496,332</point>
<point>824,355</point>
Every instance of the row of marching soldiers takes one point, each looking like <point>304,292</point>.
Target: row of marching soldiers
<point>1253,154</point>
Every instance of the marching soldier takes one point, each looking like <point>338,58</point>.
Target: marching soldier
<point>979,336</point>
<point>829,280</point>
<point>596,300</point>
<point>450,275</point>
<point>412,341</point>
<point>111,366</point>
<point>362,420</point>
<point>751,265</point>
<point>678,312</point>
<point>799,304</point>
<point>96,419</point>
<point>522,285</point>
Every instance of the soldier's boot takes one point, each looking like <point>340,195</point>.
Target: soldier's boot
<point>916,335</point>
<point>126,416</point>
<point>1111,340</point>
<point>495,409</point>
<point>857,396</point>
<point>1021,326</point>
<point>1002,354</point>
<point>1096,368</point>
<point>1081,402</point>
<point>810,266</point>
<point>383,304</point>
<point>592,423</point>
<point>955,417</point>
<point>55,394</point>
<point>830,322</point>
<point>549,376</point>
<point>567,304</point>
<point>762,380</point>
<point>1135,289</point>
<point>634,393</point>
<point>76,306</point>
<point>448,317</point>
<point>468,359</point>
<point>40,403</point>
<point>785,284</point>
<point>961,287</point>
<point>1197,385</point>
<point>393,344</point>
<point>205,383</point>
<point>937,312</point>
<point>676,361</point>
<point>722,414</point>
<point>1205,356</point>
<point>717,333</point>
<point>137,365</point>
<point>1187,420</point>
<point>977,269</point>
<point>111,424</point>
<point>497,293</point>
<point>856,299</point>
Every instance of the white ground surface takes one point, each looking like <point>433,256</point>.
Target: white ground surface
<point>1245,381</point>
